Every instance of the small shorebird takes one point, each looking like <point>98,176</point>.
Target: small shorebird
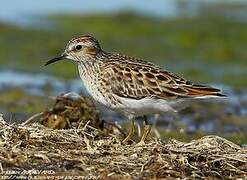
<point>130,85</point>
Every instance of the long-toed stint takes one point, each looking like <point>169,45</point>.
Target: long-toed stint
<point>129,85</point>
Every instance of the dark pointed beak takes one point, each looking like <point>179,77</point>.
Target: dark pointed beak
<point>55,59</point>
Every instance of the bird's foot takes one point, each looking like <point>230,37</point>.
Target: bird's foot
<point>146,132</point>
<point>131,133</point>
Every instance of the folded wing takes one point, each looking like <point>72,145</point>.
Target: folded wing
<point>139,80</point>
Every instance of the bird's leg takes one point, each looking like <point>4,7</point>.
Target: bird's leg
<point>131,132</point>
<point>155,130</point>
<point>146,130</point>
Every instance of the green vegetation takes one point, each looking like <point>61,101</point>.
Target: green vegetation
<point>204,49</point>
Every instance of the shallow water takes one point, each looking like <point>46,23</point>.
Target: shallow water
<point>35,83</point>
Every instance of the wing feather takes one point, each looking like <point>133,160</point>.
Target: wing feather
<point>137,79</point>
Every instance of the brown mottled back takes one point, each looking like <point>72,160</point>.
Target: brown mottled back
<point>133,78</point>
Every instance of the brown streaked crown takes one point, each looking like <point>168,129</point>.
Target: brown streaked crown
<point>86,40</point>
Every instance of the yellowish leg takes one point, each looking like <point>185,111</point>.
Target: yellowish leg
<point>131,132</point>
<point>146,131</point>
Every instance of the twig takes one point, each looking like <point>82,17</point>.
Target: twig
<point>32,118</point>
<point>232,158</point>
<point>143,166</point>
<point>236,169</point>
<point>1,168</point>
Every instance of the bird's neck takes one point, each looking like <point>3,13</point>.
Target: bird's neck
<point>89,68</point>
<point>91,65</point>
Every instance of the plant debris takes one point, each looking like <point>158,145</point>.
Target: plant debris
<point>69,111</point>
<point>36,151</point>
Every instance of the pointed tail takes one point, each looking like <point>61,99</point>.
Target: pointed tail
<point>199,91</point>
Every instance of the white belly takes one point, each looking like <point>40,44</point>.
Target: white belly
<point>151,105</point>
<point>148,106</point>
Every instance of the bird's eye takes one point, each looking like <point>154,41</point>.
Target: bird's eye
<point>78,47</point>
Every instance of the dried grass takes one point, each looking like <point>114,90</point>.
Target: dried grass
<point>34,150</point>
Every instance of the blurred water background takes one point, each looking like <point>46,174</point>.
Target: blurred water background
<point>202,40</point>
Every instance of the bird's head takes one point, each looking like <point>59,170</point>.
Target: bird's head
<point>79,49</point>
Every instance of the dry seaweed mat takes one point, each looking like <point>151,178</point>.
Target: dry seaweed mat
<point>35,151</point>
<point>72,111</point>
